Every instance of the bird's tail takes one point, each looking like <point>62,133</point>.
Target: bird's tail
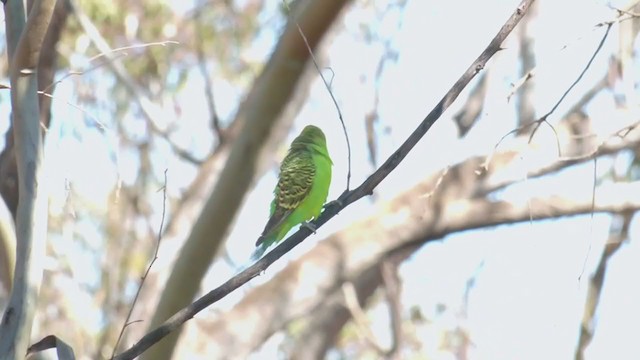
<point>259,251</point>
<point>264,242</point>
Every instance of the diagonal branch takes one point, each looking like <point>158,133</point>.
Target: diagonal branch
<point>345,199</point>
<point>420,215</point>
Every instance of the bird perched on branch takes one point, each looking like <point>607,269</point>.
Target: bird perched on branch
<point>303,185</point>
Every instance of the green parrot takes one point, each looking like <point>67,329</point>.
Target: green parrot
<point>303,185</point>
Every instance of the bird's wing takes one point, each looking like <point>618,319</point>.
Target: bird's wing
<point>296,179</point>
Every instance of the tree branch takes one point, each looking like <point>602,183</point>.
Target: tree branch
<point>345,199</point>
<point>625,138</point>
<point>351,252</point>
<point>31,217</point>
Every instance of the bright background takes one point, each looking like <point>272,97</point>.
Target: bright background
<point>514,292</point>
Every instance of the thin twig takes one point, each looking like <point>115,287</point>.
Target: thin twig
<point>604,38</point>
<point>101,125</point>
<point>624,11</point>
<point>328,87</point>
<point>518,84</point>
<point>80,72</point>
<point>137,46</point>
<point>543,119</point>
<point>345,199</point>
<point>605,147</point>
<point>146,273</point>
<point>531,73</point>
<point>109,59</point>
<point>439,181</point>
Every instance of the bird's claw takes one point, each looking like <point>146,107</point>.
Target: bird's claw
<point>309,226</point>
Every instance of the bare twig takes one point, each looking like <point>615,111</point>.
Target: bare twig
<point>443,174</point>
<point>100,124</point>
<point>627,9</point>
<point>518,84</point>
<point>584,71</point>
<point>589,95</point>
<point>119,53</point>
<point>532,72</point>
<point>146,272</point>
<point>543,119</point>
<point>606,147</point>
<point>346,198</point>
<point>328,87</point>
<point>130,47</point>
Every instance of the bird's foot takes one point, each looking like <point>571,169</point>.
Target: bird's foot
<point>309,226</point>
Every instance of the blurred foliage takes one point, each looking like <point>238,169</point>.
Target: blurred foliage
<point>116,233</point>
<point>220,30</point>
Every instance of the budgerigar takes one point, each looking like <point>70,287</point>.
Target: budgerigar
<point>303,185</point>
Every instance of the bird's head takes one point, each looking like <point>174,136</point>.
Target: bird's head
<point>310,137</point>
